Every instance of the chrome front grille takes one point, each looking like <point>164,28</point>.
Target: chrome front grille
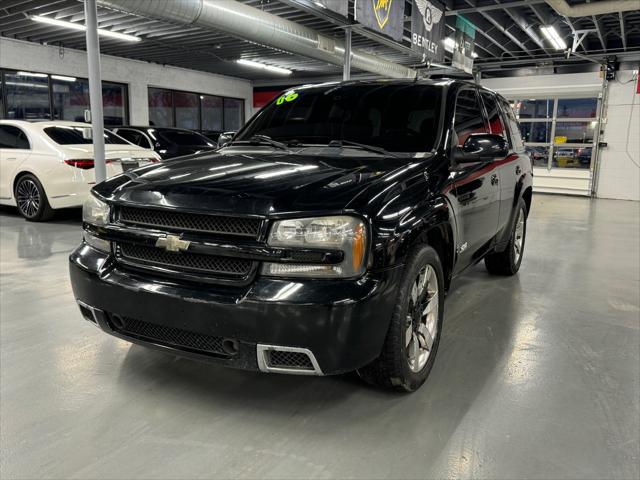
<point>192,222</point>
<point>210,265</point>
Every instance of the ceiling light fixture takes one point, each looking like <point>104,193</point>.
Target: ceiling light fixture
<point>449,44</point>
<point>63,78</point>
<point>82,28</point>
<point>554,37</point>
<point>29,74</point>
<point>262,66</point>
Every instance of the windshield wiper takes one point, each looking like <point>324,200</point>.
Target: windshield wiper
<point>363,146</point>
<point>261,140</point>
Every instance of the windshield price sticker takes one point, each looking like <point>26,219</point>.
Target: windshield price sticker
<point>288,97</point>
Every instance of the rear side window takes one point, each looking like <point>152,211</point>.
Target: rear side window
<point>80,136</point>
<point>13,137</point>
<point>184,137</point>
<point>134,137</point>
<point>512,123</point>
<point>468,118</point>
<point>496,125</point>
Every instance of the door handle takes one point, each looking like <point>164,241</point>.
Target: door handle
<point>12,158</point>
<point>518,170</point>
<point>494,179</point>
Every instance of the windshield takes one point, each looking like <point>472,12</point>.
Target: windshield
<point>184,137</point>
<point>80,136</point>
<point>396,117</point>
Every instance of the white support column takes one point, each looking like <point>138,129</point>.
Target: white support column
<point>346,69</point>
<point>95,89</point>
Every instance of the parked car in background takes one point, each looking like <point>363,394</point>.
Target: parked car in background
<point>212,135</point>
<point>321,240</point>
<point>167,142</point>
<point>48,165</point>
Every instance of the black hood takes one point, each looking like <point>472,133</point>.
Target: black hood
<point>252,182</point>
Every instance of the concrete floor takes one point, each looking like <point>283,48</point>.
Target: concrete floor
<point>537,376</point>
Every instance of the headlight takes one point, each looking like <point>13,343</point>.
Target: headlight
<point>95,212</point>
<point>341,232</point>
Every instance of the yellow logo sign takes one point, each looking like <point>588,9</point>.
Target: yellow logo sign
<point>382,10</point>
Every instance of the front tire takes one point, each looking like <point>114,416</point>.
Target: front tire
<point>508,261</point>
<point>411,344</point>
<point>31,199</point>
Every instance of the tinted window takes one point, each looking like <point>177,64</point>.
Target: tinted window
<point>80,136</point>
<point>577,108</point>
<point>13,137</point>
<point>187,110</point>
<point>493,113</point>
<point>160,107</point>
<point>211,112</point>
<point>401,118</point>
<point>512,122</point>
<point>534,108</point>
<point>27,95</point>
<point>184,137</point>
<point>129,135</point>
<point>233,114</point>
<point>71,98</point>
<point>468,117</point>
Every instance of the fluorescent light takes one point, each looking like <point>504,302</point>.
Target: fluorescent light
<point>474,54</point>
<point>29,74</point>
<point>82,28</point>
<point>63,78</point>
<point>262,66</point>
<point>449,44</point>
<point>554,38</point>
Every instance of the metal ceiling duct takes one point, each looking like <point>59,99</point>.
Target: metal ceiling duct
<point>593,8</point>
<point>264,28</point>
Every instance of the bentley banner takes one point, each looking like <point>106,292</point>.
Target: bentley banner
<point>427,29</point>
<point>384,16</point>
<point>339,6</point>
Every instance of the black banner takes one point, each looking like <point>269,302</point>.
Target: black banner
<point>427,29</point>
<point>384,16</point>
<point>338,6</point>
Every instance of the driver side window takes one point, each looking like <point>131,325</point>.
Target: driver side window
<point>468,117</point>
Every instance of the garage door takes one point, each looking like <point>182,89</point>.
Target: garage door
<point>561,136</point>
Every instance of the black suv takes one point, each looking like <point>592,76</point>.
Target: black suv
<point>321,240</point>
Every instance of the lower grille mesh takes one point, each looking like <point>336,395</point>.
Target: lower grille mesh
<point>171,336</point>
<point>194,262</point>
<point>283,359</point>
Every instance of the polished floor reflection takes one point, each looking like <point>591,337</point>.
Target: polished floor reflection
<point>537,376</point>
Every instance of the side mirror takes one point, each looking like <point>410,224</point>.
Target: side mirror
<point>225,138</point>
<point>481,147</point>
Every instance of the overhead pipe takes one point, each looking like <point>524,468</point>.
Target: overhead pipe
<point>260,27</point>
<point>594,8</point>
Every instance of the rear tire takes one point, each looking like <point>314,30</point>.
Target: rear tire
<point>411,344</point>
<point>508,261</point>
<point>31,199</point>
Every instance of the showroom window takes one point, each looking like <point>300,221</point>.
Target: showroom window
<point>32,95</point>
<point>172,108</point>
<point>559,132</point>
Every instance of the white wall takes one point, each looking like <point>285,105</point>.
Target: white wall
<point>620,161</point>
<point>619,176</point>
<point>137,75</point>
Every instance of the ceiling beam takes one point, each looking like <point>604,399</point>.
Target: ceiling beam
<point>503,30</point>
<point>623,33</point>
<point>599,28</point>
<point>488,8</point>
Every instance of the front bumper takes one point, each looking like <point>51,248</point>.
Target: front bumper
<point>343,323</point>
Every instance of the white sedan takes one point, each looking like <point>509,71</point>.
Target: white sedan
<point>48,165</point>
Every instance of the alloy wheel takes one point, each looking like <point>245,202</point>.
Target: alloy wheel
<point>518,240</point>
<point>422,318</point>
<point>28,197</point>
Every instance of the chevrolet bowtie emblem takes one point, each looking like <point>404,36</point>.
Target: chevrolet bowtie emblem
<point>172,243</point>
